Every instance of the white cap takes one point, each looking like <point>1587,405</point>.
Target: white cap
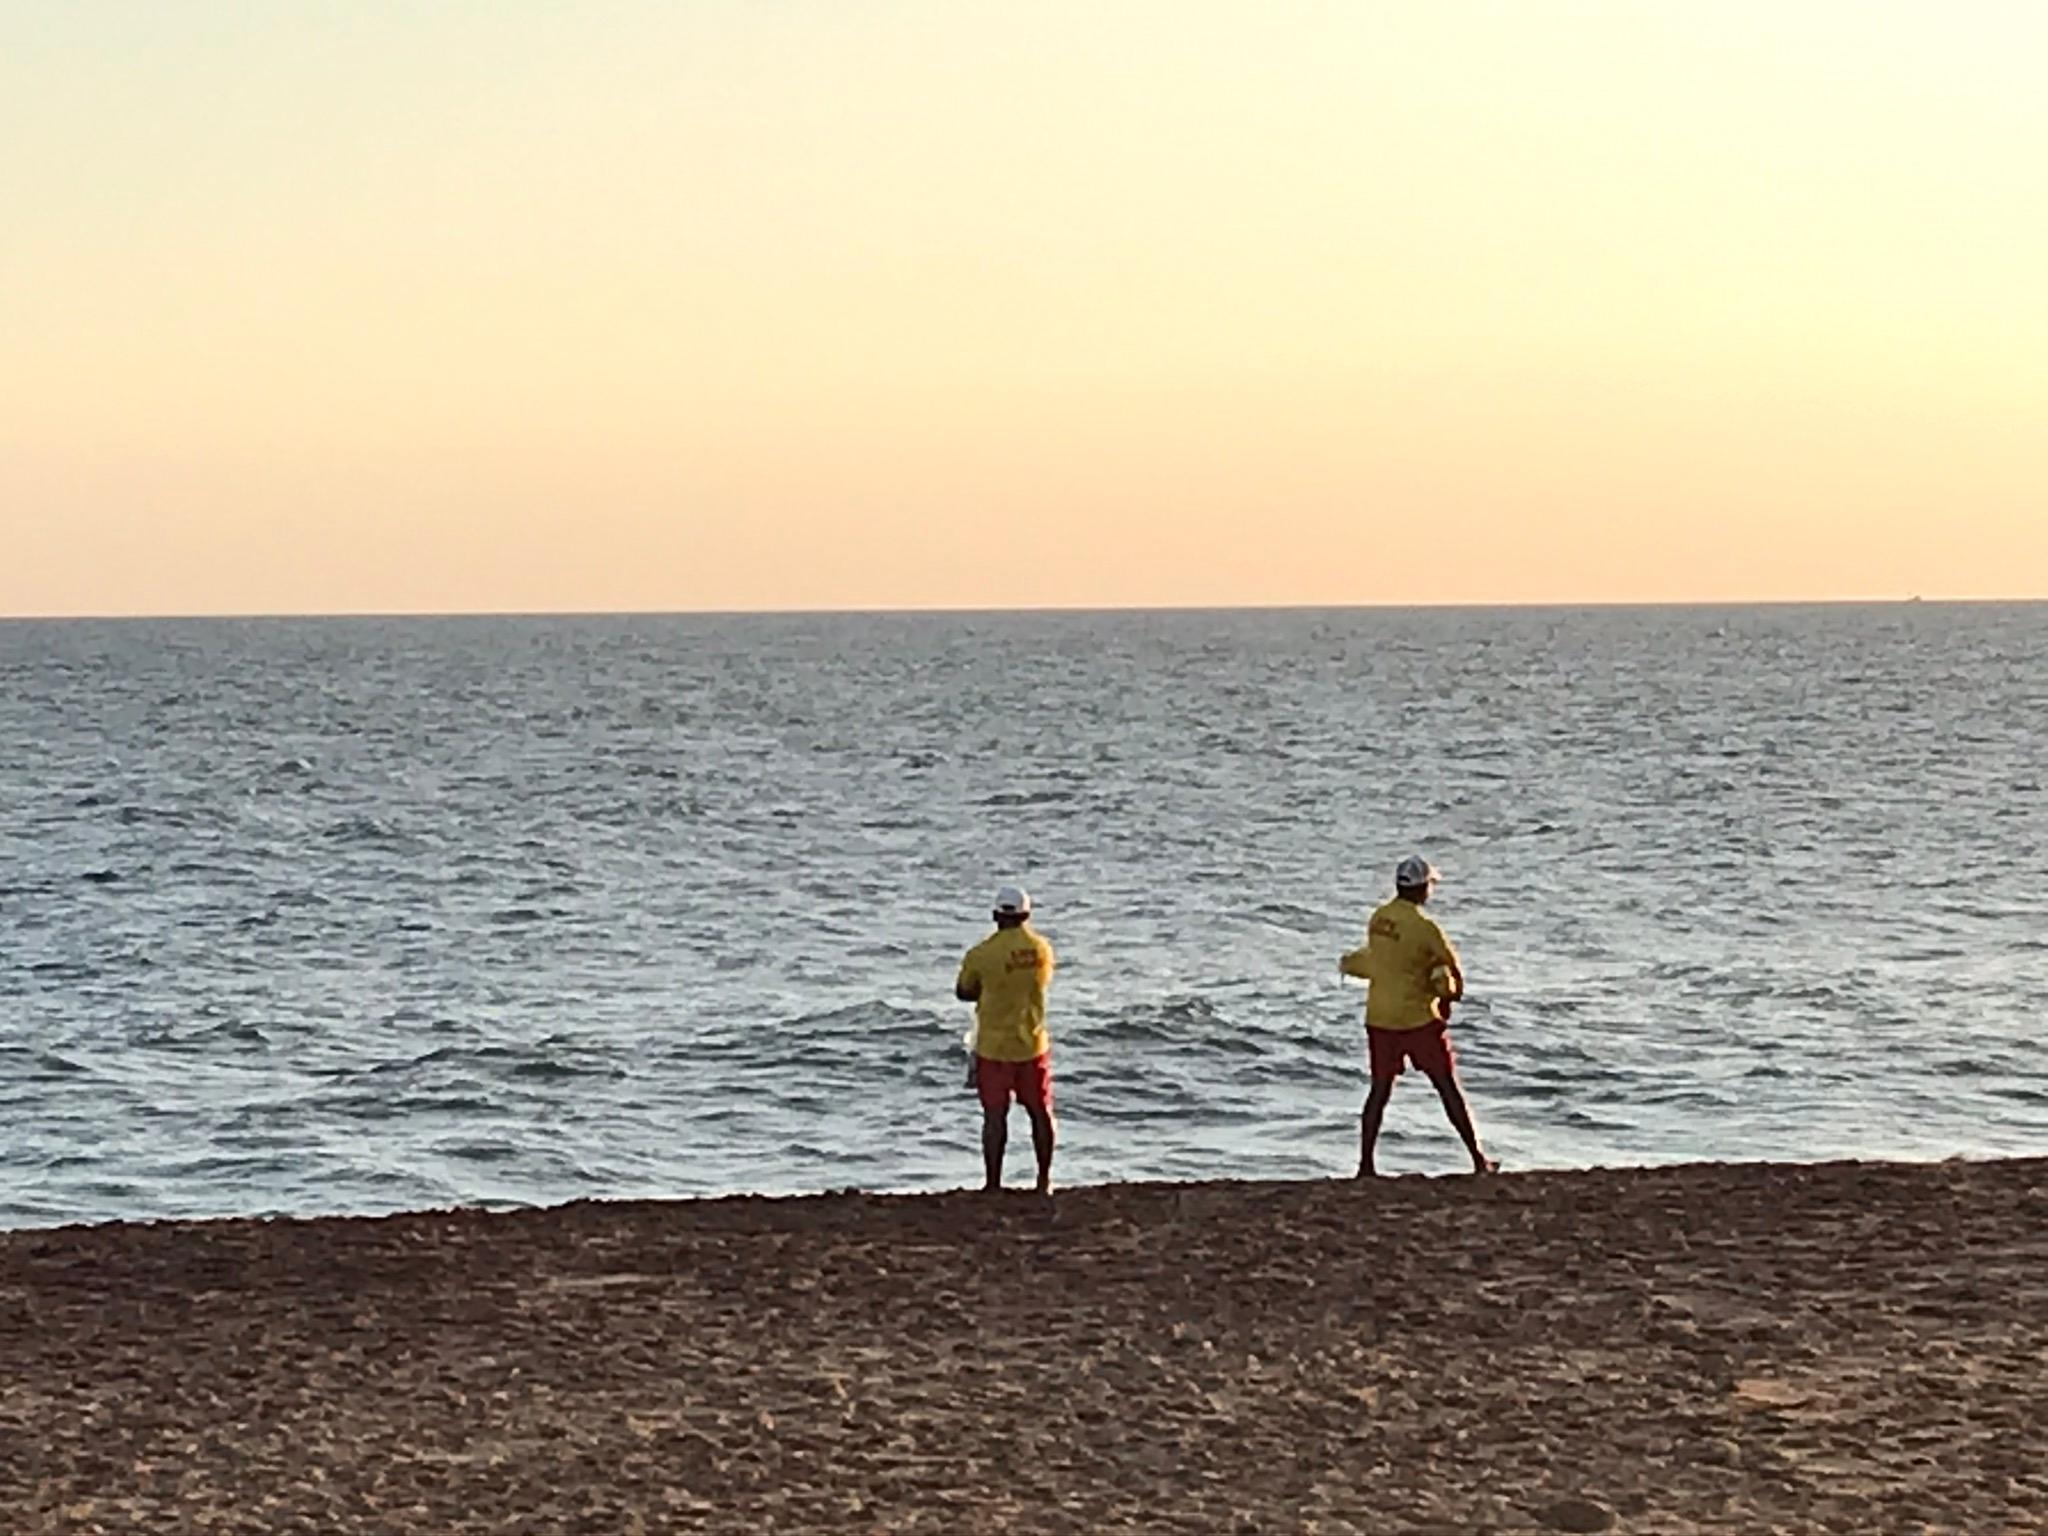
<point>1414,873</point>
<point>1013,901</point>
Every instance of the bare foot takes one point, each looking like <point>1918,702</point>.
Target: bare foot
<point>1366,1173</point>
<point>1486,1165</point>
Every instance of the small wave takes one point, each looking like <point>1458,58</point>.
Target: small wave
<point>810,1152</point>
<point>348,1105</point>
<point>555,1059</point>
<point>550,1070</point>
<point>369,832</point>
<point>162,1034</point>
<point>1586,1120</point>
<point>1288,915</point>
<point>866,1019</point>
<point>208,870</point>
<point>1686,1097</point>
<point>1009,798</point>
<point>226,1165</point>
<point>1181,1022</point>
<point>246,1034</point>
<point>62,1162</point>
<point>2020,1093</point>
<point>468,1097</point>
<point>1293,1071</point>
<point>447,1104</point>
<point>164,815</point>
<point>109,1189</point>
<point>440,1053</point>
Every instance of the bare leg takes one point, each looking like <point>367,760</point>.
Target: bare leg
<point>1369,1120</point>
<point>995,1137</point>
<point>1045,1135</point>
<point>1460,1116</point>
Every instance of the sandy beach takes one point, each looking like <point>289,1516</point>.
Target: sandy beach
<point>1846,1347</point>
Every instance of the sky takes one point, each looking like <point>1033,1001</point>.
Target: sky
<point>353,306</point>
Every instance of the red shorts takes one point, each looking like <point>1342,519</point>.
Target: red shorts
<point>1030,1081</point>
<point>1428,1047</point>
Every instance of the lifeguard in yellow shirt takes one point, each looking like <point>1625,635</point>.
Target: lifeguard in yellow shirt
<point>1412,977</point>
<point>1005,977</point>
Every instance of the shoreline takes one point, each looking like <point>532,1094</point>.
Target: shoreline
<point>682,1205</point>
<point>1678,1347</point>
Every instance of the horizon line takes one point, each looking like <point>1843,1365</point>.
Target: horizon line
<point>957,610</point>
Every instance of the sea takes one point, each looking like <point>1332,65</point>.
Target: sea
<point>361,915</point>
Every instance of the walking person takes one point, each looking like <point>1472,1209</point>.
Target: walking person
<point>1412,978</point>
<point>1005,976</point>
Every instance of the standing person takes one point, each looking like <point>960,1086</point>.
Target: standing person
<point>1005,977</point>
<point>1412,977</point>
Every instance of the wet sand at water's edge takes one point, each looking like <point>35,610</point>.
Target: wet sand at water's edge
<point>1743,1348</point>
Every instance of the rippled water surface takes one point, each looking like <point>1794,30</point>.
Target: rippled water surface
<point>359,915</point>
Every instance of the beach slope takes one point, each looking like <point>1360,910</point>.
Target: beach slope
<point>1844,1347</point>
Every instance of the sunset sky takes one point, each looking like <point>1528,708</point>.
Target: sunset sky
<point>358,306</point>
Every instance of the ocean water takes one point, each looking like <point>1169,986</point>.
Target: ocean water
<point>358,915</point>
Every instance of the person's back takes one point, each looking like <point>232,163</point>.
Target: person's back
<point>1011,968</point>
<point>1407,965</point>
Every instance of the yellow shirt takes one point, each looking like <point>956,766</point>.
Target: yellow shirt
<point>1007,974</point>
<point>1408,966</point>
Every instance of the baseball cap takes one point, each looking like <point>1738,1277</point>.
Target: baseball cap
<point>1013,901</point>
<point>1415,872</point>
